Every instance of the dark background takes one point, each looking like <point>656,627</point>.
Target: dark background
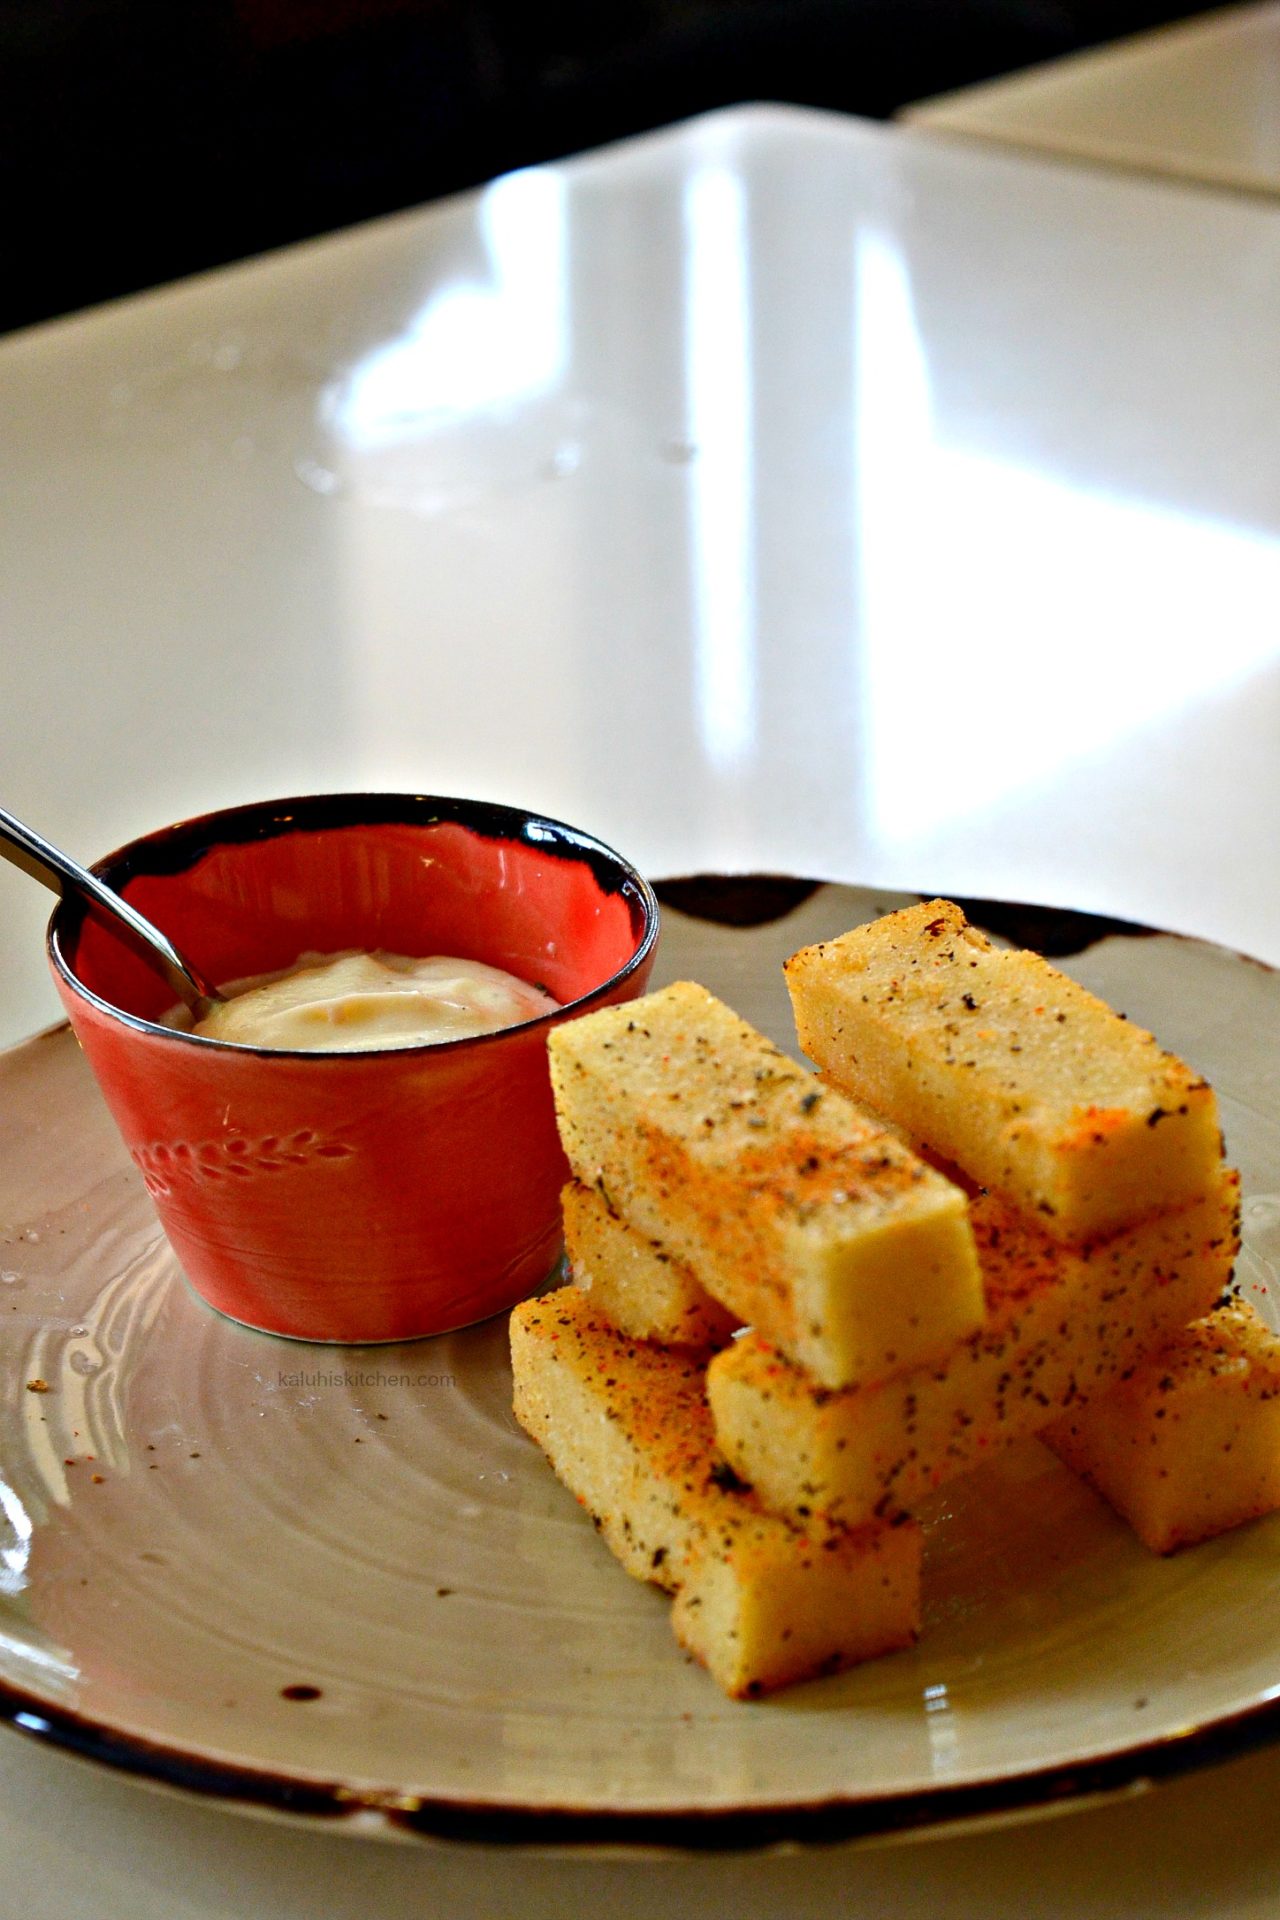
<point>143,139</point>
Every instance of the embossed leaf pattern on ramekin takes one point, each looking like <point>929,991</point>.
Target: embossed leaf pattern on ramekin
<point>236,1157</point>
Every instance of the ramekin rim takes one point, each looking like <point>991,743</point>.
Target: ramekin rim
<point>499,812</point>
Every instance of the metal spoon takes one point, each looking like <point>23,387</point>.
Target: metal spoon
<point>65,876</point>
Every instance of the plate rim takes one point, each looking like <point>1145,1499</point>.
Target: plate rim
<point>760,1827</point>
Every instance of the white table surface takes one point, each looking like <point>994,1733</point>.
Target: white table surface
<point>779,492</point>
<point>1199,100</point>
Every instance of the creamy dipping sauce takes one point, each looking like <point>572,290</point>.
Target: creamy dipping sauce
<point>347,1002</point>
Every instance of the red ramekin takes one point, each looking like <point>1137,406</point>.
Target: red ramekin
<point>376,1195</point>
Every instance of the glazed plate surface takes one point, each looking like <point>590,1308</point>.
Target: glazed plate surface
<point>340,1582</point>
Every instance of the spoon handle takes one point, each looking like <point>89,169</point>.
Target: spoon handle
<point>37,857</point>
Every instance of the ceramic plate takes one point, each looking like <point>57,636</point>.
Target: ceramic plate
<point>341,1582</point>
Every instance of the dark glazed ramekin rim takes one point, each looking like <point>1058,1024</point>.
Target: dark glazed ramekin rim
<point>173,849</point>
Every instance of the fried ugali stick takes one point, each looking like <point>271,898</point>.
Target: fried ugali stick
<point>1189,1444</point>
<point>801,1215</point>
<point>1001,1063</point>
<point>626,1428</point>
<point>1062,1325</point>
<point>633,1281</point>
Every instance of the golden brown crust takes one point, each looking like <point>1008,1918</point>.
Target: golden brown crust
<point>1188,1444</point>
<point>1008,1067</point>
<point>1062,1325</point>
<point>797,1212</point>
<point>628,1431</point>
<point>633,1280</point>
